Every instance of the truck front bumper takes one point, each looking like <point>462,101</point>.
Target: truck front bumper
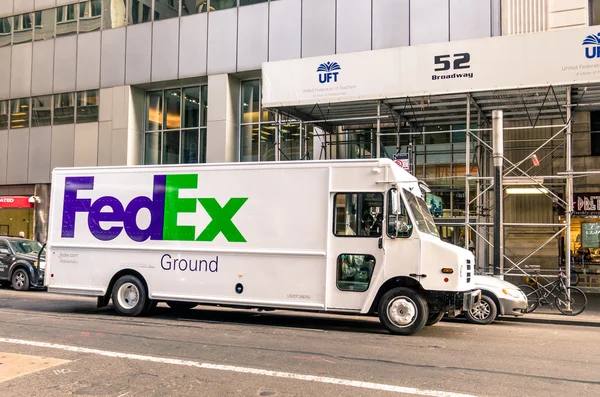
<point>469,299</point>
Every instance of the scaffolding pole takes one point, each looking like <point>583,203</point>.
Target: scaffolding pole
<point>467,172</point>
<point>569,189</point>
<point>378,149</point>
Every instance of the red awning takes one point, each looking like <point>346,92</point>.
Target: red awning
<point>15,202</point>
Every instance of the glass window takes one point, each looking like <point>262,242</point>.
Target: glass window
<point>44,24</point>
<point>250,2</point>
<point>66,20</point>
<point>64,109</point>
<point>41,111</point>
<point>19,113</point>
<point>354,272</point>
<point>267,142</point>
<point>203,105</point>
<point>87,106</point>
<point>404,224</point>
<point>249,142</point>
<point>290,142</point>
<point>222,4</point>
<point>23,25</point>
<point>191,107</point>
<point>172,109</point>
<point>190,7</point>
<point>189,146</point>
<point>140,11</point>
<point>358,214</point>
<point>165,9</point>
<point>308,137</point>
<point>90,15</point>
<point>170,147</point>
<point>180,133</point>
<point>115,14</point>
<point>152,147</point>
<point>250,101</point>
<point>422,216</point>
<point>5,31</point>
<point>4,110</point>
<point>154,113</point>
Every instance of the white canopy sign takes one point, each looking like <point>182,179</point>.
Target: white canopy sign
<point>570,56</point>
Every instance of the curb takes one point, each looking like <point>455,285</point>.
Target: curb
<point>550,321</point>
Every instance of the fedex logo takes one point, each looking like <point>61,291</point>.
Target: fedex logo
<point>164,207</point>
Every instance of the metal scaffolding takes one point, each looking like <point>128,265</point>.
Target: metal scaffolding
<point>550,107</point>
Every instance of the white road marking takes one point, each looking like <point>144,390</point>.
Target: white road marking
<point>245,370</point>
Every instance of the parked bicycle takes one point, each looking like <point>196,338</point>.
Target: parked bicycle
<point>570,301</point>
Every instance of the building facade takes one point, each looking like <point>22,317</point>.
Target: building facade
<point>129,82</point>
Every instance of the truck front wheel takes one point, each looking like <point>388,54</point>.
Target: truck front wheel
<point>129,296</point>
<point>403,311</point>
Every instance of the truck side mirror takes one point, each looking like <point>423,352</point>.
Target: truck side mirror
<point>396,210</point>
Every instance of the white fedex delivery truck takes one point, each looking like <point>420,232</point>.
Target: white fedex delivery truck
<point>335,236</point>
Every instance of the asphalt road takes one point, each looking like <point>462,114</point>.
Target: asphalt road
<point>64,346</point>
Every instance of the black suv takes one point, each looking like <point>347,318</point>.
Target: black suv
<point>21,263</point>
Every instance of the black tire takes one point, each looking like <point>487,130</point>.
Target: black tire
<point>130,296</point>
<point>483,312</point>
<point>434,318</point>
<point>20,280</point>
<point>181,306</point>
<point>403,302</point>
<point>533,299</point>
<point>577,305</point>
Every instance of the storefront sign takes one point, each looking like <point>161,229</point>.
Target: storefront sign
<point>15,202</point>
<point>586,204</point>
<point>569,56</point>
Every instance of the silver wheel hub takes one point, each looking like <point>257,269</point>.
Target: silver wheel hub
<point>20,279</point>
<point>481,310</point>
<point>402,311</point>
<point>128,296</point>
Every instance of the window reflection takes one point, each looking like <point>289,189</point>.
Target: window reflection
<point>152,147</point>
<point>290,142</point>
<point>66,20</point>
<point>5,31</point>
<point>249,142</point>
<point>190,7</point>
<point>19,113</point>
<point>170,147</point>
<point>44,24</point>
<point>165,9</point>
<point>115,14</point>
<point>23,26</point>
<point>41,111</point>
<point>267,143</point>
<point>250,101</point>
<point>154,111</point>
<point>216,5</point>
<point>64,109</point>
<point>250,2</point>
<point>87,106</point>
<point>175,129</point>
<point>140,11</point>
<point>4,110</point>
<point>90,15</point>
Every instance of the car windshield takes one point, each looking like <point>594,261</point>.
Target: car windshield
<point>423,219</point>
<point>26,247</point>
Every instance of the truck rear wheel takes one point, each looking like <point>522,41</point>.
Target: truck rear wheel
<point>130,297</point>
<point>403,311</point>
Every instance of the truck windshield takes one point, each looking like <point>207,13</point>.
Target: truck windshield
<point>423,219</point>
<point>25,247</point>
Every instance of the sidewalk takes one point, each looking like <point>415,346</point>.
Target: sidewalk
<point>590,317</point>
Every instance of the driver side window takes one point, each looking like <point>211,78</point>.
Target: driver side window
<point>404,224</point>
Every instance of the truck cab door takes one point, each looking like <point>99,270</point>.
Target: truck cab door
<point>356,250</point>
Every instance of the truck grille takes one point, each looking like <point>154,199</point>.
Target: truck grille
<point>469,270</point>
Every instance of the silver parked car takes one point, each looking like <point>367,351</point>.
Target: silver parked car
<point>498,298</point>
